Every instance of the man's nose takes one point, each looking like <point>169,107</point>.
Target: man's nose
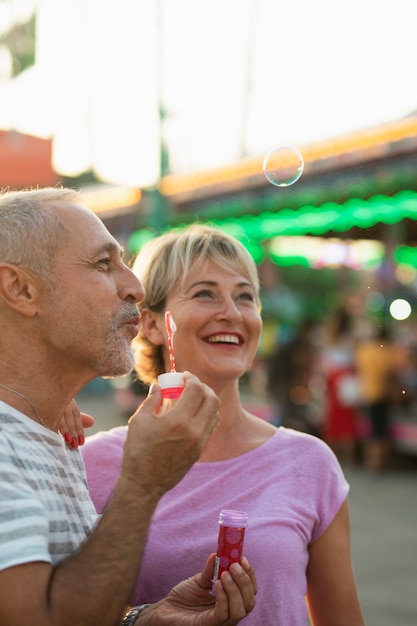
<point>132,289</point>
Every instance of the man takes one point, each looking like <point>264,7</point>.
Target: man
<point>68,314</point>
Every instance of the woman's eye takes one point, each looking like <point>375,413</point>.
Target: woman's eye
<point>204,293</point>
<point>247,296</point>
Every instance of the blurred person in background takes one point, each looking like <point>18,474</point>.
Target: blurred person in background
<point>375,364</point>
<point>342,397</point>
<point>289,375</point>
<point>289,482</point>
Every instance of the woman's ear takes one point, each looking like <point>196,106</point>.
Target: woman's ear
<point>19,289</point>
<point>153,326</point>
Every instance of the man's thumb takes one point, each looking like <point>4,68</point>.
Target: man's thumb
<point>152,402</point>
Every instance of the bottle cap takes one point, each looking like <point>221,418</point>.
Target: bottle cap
<point>236,519</point>
<point>172,384</point>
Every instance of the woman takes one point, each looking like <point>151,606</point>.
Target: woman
<point>290,483</point>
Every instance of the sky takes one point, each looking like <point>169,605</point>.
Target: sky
<point>235,78</point>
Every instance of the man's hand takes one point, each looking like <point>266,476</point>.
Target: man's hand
<point>190,603</point>
<point>161,446</point>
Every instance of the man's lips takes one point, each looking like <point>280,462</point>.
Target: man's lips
<point>133,324</point>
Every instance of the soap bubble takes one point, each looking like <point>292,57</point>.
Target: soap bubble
<point>283,166</point>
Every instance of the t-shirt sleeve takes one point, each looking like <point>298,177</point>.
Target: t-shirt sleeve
<point>329,486</point>
<point>24,525</point>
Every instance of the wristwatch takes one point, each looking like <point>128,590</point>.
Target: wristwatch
<point>130,617</point>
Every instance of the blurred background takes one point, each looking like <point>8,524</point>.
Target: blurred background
<point>293,126</point>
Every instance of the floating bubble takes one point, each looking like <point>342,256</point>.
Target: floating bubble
<point>283,166</point>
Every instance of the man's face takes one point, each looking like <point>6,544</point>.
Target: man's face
<point>90,315</point>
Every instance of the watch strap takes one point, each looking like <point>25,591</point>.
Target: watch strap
<point>135,611</point>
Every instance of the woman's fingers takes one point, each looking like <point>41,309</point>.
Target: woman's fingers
<point>73,423</point>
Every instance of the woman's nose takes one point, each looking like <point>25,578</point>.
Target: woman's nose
<point>230,311</point>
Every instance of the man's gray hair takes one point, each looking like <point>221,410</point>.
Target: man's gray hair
<point>30,234</point>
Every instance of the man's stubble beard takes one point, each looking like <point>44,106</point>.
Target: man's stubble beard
<point>117,356</point>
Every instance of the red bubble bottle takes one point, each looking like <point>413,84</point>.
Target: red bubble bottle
<point>230,541</point>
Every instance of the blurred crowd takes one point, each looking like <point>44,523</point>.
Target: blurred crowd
<point>344,379</point>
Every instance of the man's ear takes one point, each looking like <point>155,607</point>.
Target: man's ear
<point>153,326</point>
<point>19,289</point>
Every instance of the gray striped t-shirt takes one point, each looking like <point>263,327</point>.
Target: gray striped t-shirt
<point>45,509</point>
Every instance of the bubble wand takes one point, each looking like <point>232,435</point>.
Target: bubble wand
<point>172,382</point>
<point>171,329</point>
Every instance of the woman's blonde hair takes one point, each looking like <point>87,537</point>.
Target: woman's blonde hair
<point>164,263</point>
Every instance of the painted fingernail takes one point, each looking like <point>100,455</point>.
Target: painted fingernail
<point>67,438</point>
<point>81,440</point>
<point>74,442</point>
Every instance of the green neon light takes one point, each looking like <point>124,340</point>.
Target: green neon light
<point>252,230</point>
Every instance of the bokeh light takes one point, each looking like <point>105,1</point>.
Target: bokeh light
<point>375,301</point>
<point>400,309</point>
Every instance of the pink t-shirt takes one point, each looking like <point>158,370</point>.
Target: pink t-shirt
<point>292,486</point>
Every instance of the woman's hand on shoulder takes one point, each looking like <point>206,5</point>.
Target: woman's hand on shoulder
<point>73,424</point>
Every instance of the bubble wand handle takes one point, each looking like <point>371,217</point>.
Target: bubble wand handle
<point>171,328</point>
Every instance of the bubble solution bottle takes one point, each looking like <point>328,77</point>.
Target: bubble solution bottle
<point>230,541</point>
<point>172,384</point>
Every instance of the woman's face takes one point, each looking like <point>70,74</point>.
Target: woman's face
<point>218,324</point>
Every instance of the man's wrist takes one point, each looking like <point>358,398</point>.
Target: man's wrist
<point>133,614</point>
